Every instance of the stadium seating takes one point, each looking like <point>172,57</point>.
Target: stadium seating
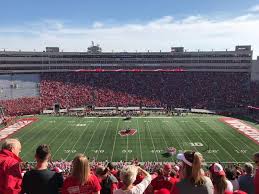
<point>208,90</point>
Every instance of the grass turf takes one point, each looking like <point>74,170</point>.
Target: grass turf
<point>99,138</point>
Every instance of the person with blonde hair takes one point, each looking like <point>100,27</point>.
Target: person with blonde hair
<point>81,179</point>
<point>128,176</point>
<point>10,171</point>
<point>192,176</point>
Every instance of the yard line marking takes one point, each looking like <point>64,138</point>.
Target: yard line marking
<point>163,136</point>
<point>64,141</point>
<point>173,135</point>
<point>36,134</point>
<point>102,140</point>
<point>46,137</point>
<point>141,156</point>
<point>85,129</point>
<point>202,139</point>
<point>92,136</point>
<point>57,134</point>
<point>115,136</point>
<point>186,134</point>
<point>40,122</point>
<point>152,140</point>
<point>127,148</point>
<point>233,144</point>
<point>218,143</point>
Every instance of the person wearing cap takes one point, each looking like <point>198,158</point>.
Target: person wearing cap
<point>219,180</point>
<point>163,180</point>
<point>41,180</point>
<point>256,178</point>
<point>109,183</point>
<point>128,176</point>
<point>10,170</point>
<point>192,177</point>
<point>246,181</point>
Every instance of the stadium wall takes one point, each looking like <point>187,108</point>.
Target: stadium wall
<point>19,85</point>
<point>255,70</point>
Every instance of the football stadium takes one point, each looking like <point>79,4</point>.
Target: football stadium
<point>125,106</point>
<point>129,97</point>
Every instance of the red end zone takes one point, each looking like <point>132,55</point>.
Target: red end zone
<point>247,130</point>
<point>11,129</point>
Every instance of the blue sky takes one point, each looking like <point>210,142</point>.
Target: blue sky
<point>78,12</point>
<point>129,25</point>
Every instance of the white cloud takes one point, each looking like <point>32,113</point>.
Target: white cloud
<point>254,8</point>
<point>97,24</point>
<point>193,32</point>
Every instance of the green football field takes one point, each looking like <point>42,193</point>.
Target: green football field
<point>99,138</point>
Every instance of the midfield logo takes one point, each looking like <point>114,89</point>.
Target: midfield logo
<point>127,132</point>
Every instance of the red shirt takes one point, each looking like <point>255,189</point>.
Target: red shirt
<point>10,173</point>
<point>114,173</point>
<point>256,181</point>
<point>139,178</point>
<point>161,182</point>
<point>72,186</point>
<point>174,180</point>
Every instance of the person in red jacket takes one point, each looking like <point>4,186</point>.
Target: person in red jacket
<point>10,171</point>
<point>256,177</point>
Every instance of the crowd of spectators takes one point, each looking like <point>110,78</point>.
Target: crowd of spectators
<point>187,176</point>
<point>21,106</point>
<point>206,90</point>
<point>193,89</point>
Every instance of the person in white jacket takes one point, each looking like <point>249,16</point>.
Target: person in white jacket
<point>128,176</point>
